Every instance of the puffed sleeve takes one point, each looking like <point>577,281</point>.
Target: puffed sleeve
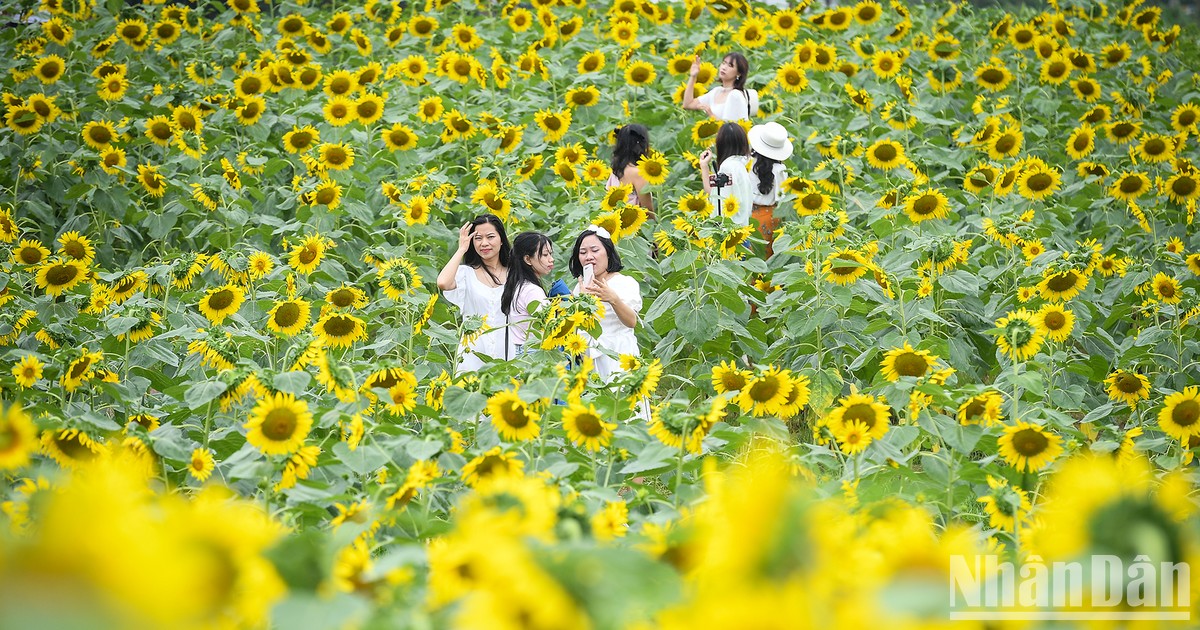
<point>458,295</point>
<point>630,293</point>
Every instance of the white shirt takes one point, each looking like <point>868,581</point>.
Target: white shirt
<point>734,107</point>
<point>473,297</point>
<point>741,189</point>
<point>526,294</point>
<point>772,195</point>
<point>616,336</point>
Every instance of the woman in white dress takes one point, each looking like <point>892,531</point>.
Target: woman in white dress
<point>731,101</point>
<point>731,190</point>
<point>532,260</point>
<point>473,281</point>
<point>621,295</point>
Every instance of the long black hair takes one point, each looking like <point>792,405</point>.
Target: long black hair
<point>731,140</point>
<point>742,65</point>
<point>520,272</point>
<point>471,258</point>
<point>614,260</point>
<point>632,143</point>
<point>764,169</point>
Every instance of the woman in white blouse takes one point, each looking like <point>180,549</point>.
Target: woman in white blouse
<point>731,190</point>
<point>769,148</point>
<point>622,296</point>
<point>731,101</point>
<point>474,280</point>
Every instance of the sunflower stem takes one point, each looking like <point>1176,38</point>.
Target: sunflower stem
<point>207,422</point>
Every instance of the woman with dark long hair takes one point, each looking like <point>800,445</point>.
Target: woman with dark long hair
<point>731,189</point>
<point>632,143</point>
<point>596,264</point>
<point>532,260</point>
<point>769,148</point>
<point>474,281</point>
<point>732,100</point>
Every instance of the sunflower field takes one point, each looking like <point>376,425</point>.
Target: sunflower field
<point>229,385</point>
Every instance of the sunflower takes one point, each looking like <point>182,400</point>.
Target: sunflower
<point>70,447</point>
<point>845,266</point>
<point>640,73</point>
<point>18,437</point>
<point>592,61</point>
<point>906,361</point>
<point>346,297</point>
<point>99,134</point>
<point>1054,322</point>
<point>1182,188</point>
<point>402,398</point>
<point>457,126</point>
<point>982,409</point>
<point>512,417</point>
<point>886,63</point>
<point>1038,183</point>
<point>29,253</point>
<point>1113,54</point>
<point>852,437</point>
<point>340,330</point>
<point>279,424</point>
<point>727,377</point>
<point>1007,507</point>
<point>1123,131</point>
<point>1029,447</point>
<point>27,371</point>
<point>1128,387</point>
<point>1166,288</point>
<point>24,120</point>
<point>993,76</point>
<point>151,180</point>
<point>49,69</point>
<point>493,464</point>
<point>221,302</point>
<point>80,369</point>
<point>1055,70</point>
<point>1156,148</point>
<point>653,168</point>
<point>1081,142</point>
<point>863,408</point>
<point>1062,286</point>
<point>927,204</point>
<point>765,392</point>
<point>339,111</point>
<point>336,156</point>
<point>112,160</point>
<point>1185,117</point>
<point>159,129</point>
<point>553,124</point>
<point>886,154</point>
<point>289,317</point>
<point>1193,263</point>
<point>1180,415</point>
<point>1086,89</point>
<point>61,276</point>
<point>1006,143</point>
<point>306,255</point>
<point>201,464</point>
<point>1018,337</point>
<point>586,427</point>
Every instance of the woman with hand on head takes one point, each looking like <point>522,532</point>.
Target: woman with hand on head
<point>731,189</point>
<point>731,101</point>
<point>769,147</point>
<point>532,260</point>
<point>474,281</point>
<point>632,144</point>
<point>594,261</point>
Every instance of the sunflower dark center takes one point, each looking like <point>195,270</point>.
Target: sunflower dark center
<point>1063,281</point>
<point>1129,383</point>
<point>1030,442</point>
<point>885,152</point>
<point>911,364</point>
<point>1055,320</point>
<point>1186,413</point>
<point>287,314</point>
<point>60,275</point>
<point>861,412</point>
<point>589,425</point>
<point>220,300</point>
<point>279,424</point>
<point>513,414</point>
<point>1039,182</point>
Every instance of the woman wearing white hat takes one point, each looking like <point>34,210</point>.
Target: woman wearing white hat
<point>769,147</point>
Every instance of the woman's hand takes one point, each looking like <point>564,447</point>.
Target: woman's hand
<point>599,288</point>
<point>464,238</point>
<point>695,69</point>
<point>706,157</point>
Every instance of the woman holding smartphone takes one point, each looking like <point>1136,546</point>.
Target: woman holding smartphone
<point>595,262</point>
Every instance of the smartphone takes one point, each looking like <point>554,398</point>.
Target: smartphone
<point>588,275</point>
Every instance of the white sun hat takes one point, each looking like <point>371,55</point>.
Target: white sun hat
<point>770,140</point>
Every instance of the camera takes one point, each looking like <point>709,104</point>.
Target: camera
<point>720,180</point>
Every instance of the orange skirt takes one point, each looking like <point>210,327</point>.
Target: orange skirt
<point>767,223</point>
